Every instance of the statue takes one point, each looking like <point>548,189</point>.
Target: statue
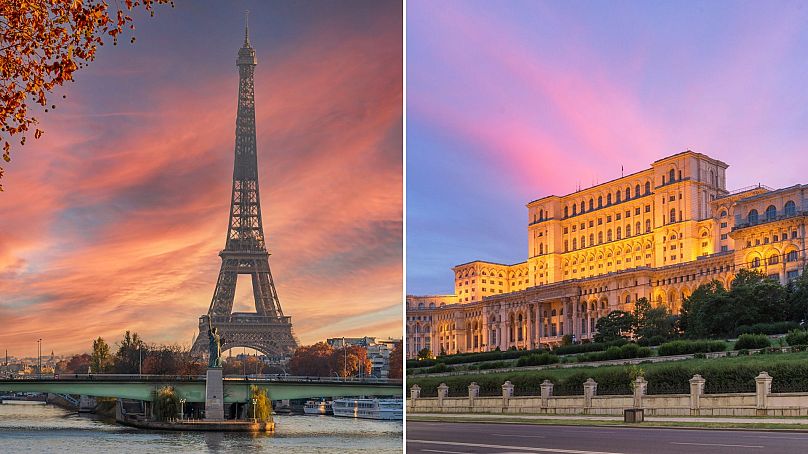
<point>214,346</point>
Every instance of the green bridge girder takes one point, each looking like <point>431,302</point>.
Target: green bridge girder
<point>193,390</point>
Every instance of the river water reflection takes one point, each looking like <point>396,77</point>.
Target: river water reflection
<point>45,428</point>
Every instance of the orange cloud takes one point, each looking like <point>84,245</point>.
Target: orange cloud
<point>113,222</point>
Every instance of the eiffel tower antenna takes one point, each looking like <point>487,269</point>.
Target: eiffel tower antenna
<point>247,28</point>
<point>267,329</point>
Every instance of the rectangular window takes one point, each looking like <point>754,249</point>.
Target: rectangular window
<point>618,216</point>
<point>628,213</point>
<point>609,218</point>
<point>723,236</point>
<point>724,248</point>
<point>648,208</point>
<point>591,223</point>
<point>723,225</point>
<point>600,221</point>
<point>637,211</point>
<point>672,198</point>
<point>793,274</point>
<point>566,230</point>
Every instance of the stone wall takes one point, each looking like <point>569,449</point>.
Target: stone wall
<point>760,403</point>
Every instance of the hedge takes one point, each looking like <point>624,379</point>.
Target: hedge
<point>797,337</point>
<point>767,328</point>
<point>751,341</point>
<point>588,347</point>
<point>685,347</point>
<point>668,378</point>
<point>537,359</point>
<point>625,352</point>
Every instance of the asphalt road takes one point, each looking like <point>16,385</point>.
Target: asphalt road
<point>456,438</point>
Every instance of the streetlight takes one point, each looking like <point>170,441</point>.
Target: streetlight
<point>39,352</point>
<point>345,364</point>
<point>254,401</point>
<point>139,361</point>
<point>182,408</point>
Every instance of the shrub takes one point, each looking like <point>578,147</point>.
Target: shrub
<point>751,341</point>
<point>625,352</point>
<point>683,347</point>
<point>537,359</point>
<point>437,368</point>
<point>797,337</point>
<point>491,365</point>
<point>767,328</point>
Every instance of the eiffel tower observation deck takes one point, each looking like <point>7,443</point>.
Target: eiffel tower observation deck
<point>267,330</point>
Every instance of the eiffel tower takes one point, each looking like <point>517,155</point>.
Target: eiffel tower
<point>267,330</point>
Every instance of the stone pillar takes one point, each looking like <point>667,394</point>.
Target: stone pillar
<point>443,392</point>
<point>763,387</point>
<point>590,391</point>
<point>696,391</point>
<point>474,393</point>
<point>484,347</point>
<point>546,393</point>
<point>502,335</point>
<point>214,394</point>
<point>507,393</point>
<point>640,387</point>
<point>415,393</point>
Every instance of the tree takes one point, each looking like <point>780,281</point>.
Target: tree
<point>101,361</point>
<point>797,298</point>
<point>652,321</point>
<point>42,43</point>
<point>263,406</point>
<point>616,325</point>
<point>163,360</point>
<point>166,403</point>
<point>352,361</point>
<point>78,364</point>
<point>425,353</point>
<point>131,351</point>
<point>396,361</point>
<point>313,360</point>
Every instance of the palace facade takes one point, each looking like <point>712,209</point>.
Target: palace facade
<point>658,233</point>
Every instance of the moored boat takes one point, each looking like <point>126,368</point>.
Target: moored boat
<point>388,409</point>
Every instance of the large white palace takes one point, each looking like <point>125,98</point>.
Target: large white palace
<point>658,233</point>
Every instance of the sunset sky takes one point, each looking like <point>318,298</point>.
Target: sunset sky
<point>508,102</point>
<point>113,220</point>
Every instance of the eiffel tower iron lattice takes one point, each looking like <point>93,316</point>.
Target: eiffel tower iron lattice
<point>267,330</point>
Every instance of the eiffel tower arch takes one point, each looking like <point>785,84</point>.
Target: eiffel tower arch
<point>267,330</point>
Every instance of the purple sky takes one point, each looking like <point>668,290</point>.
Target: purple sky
<point>511,101</point>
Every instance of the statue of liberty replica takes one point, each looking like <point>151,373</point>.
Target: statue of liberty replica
<point>214,347</point>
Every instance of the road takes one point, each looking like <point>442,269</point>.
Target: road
<point>456,438</point>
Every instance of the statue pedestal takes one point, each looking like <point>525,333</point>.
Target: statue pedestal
<point>214,395</point>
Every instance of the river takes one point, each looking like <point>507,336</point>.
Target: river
<point>33,428</point>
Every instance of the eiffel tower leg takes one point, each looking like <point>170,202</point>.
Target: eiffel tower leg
<point>222,303</point>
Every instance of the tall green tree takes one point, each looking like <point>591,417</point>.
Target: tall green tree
<point>651,321</point>
<point>131,351</point>
<point>101,359</point>
<point>617,325</point>
<point>797,298</point>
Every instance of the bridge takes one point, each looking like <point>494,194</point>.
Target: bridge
<point>192,388</point>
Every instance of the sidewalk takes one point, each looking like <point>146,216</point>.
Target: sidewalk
<point>597,418</point>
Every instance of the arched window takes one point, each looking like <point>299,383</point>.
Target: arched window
<point>583,207</point>
<point>628,299</point>
<point>600,237</point>
<point>647,225</point>
<point>637,228</point>
<point>420,305</point>
<point>574,244</point>
<point>553,313</point>
<point>673,215</point>
<point>608,199</point>
<point>628,230</point>
<point>753,217</point>
<point>637,191</point>
<point>756,262</point>
<point>723,213</point>
<point>566,212</point>
<point>583,241</point>
<point>600,201</point>
<point>712,177</point>
<point>647,187</point>
<point>619,234</point>
<point>541,249</point>
<point>617,196</point>
<point>574,209</point>
<point>591,204</point>
<point>628,193</point>
<point>774,260</point>
<point>791,256</point>
<point>671,176</point>
<point>591,239</point>
<point>541,215</point>
<point>771,213</point>
<point>609,235</point>
<point>790,209</point>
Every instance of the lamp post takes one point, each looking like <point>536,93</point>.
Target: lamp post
<point>182,408</point>
<point>345,363</point>
<point>254,401</point>
<point>39,358</point>
<point>139,361</point>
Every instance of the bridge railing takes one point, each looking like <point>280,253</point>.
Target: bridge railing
<point>188,378</point>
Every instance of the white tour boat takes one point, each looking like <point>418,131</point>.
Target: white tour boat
<point>390,409</point>
<point>317,407</point>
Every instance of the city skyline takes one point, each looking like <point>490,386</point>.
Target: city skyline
<point>110,229</point>
<point>570,103</point>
